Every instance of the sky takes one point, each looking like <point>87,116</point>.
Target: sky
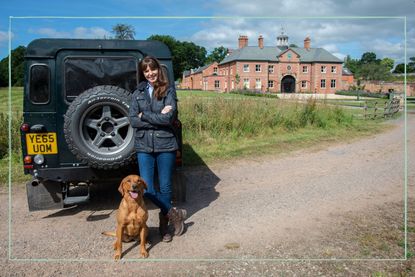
<point>350,27</point>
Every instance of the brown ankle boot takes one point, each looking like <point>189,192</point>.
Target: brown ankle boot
<point>164,228</point>
<point>177,217</point>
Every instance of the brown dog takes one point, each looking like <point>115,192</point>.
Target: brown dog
<point>132,215</point>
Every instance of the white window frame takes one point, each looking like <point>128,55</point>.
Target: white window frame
<point>303,84</point>
<point>217,84</point>
<point>333,69</point>
<point>333,83</point>
<point>305,69</point>
<point>246,83</point>
<point>215,70</point>
<point>271,83</point>
<point>323,83</point>
<point>258,83</point>
<point>257,68</point>
<point>246,67</point>
<point>270,68</point>
<point>323,69</point>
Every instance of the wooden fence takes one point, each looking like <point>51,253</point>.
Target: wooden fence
<point>376,109</point>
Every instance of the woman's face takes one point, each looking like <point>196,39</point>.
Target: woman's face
<point>151,75</point>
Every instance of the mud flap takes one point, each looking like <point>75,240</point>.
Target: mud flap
<point>44,195</point>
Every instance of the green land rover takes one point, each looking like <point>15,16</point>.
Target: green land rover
<point>76,130</point>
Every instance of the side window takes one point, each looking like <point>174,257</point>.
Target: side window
<point>39,85</point>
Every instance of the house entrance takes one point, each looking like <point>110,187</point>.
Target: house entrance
<point>288,84</point>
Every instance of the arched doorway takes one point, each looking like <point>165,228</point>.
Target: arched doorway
<point>288,84</point>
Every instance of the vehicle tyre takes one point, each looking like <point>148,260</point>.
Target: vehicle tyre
<point>97,128</point>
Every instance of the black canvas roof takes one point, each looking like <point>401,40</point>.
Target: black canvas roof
<point>48,47</point>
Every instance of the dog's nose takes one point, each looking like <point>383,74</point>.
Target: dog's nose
<point>134,186</point>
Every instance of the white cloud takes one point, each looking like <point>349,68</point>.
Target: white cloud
<point>79,32</point>
<point>357,32</point>
<point>4,36</point>
<point>49,32</point>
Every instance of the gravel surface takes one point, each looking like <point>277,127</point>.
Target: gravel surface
<point>332,211</point>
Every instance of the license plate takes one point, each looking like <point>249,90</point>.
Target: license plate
<point>41,143</point>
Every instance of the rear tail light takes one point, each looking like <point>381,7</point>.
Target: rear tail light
<point>25,127</point>
<point>28,160</point>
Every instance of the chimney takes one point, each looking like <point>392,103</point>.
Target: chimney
<point>260,42</point>
<point>243,41</point>
<point>307,43</point>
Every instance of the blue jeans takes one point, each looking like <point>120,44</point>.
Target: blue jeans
<point>165,162</point>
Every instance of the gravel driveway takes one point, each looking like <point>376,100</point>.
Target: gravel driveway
<point>330,211</point>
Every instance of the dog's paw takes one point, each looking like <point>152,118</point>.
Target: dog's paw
<point>117,256</point>
<point>144,254</point>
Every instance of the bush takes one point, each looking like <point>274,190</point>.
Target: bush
<point>4,133</point>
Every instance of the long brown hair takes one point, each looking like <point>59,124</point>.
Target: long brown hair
<point>160,86</point>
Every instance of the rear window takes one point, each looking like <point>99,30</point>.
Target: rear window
<point>82,73</point>
<point>39,85</point>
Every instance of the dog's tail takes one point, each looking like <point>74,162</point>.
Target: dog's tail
<point>109,234</point>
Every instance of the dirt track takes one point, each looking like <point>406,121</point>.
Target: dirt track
<point>260,217</point>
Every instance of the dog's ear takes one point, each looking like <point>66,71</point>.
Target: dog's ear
<point>121,187</point>
<point>143,184</point>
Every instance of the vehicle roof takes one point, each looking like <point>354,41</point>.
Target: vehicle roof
<point>49,47</point>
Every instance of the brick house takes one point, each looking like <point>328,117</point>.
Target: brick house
<point>202,78</point>
<point>277,69</point>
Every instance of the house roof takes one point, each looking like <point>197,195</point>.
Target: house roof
<point>200,69</point>
<point>346,71</point>
<point>271,53</point>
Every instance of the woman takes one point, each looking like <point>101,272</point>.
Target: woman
<point>152,111</point>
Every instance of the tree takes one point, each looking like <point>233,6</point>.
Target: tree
<point>217,55</point>
<point>388,63</point>
<point>368,57</point>
<point>17,66</point>
<point>410,67</point>
<point>123,31</point>
<point>399,69</point>
<point>374,71</point>
<point>185,55</point>
<point>352,64</point>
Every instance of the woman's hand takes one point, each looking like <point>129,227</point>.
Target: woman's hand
<point>166,109</point>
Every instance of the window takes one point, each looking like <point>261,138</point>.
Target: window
<point>258,83</point>
<point>246,67</point>
<point>304,84</point>
<point>323,69</point>
<point>305,69</point>
<point>257,68</point>
<point>39,90</point>
<point>333,83</point>
<point>215,70</point>
<point>217,84</point>
<point>82,73</point>
<point>289,67</point>
<point>232,85</point>
<point>323,83</point>
<point>231,71</point>
<point>333,69</point>
<point>246,83</point>
<point>270,69</point>
<point>270,84</point>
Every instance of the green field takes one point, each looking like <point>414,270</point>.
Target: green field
<point>219,126</point>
